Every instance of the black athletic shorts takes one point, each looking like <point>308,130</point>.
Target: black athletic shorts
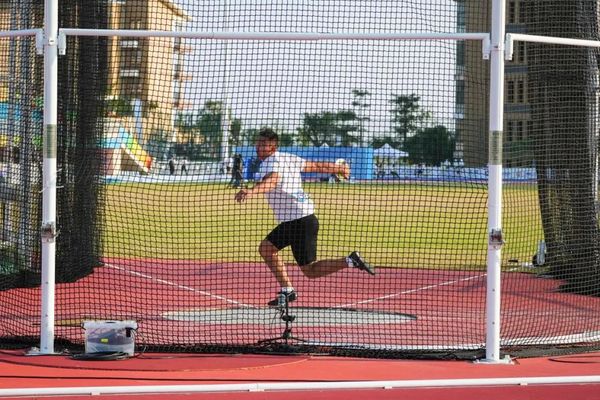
<point>301,234</point>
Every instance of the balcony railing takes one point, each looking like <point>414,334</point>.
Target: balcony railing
<point>130,43</point>
<point>129,73</point>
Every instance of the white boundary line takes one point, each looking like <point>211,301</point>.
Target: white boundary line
<point>179,286</point>
<point>423,288</point>
<point>288,386</point>
<point>237,303</point>
<point>566,339</point>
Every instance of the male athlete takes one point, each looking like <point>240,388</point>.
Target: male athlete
<point>298,227</point>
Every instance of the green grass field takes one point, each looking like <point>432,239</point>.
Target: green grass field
<point>396,225</point>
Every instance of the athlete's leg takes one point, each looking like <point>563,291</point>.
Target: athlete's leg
<point>304,248</point>
<point>321,268</point>
<point>271,255</point>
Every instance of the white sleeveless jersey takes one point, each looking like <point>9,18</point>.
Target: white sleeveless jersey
<point>288,200</point>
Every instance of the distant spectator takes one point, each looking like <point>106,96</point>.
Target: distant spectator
<point>172,165</point>
<point>184,168</point>
<point>236,172</point>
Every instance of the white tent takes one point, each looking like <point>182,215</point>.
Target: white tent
<point>387,151</point>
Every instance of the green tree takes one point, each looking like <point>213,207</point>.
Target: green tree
<point>407,116</point>
<point>235,132</point>
<point>360,106</point>
<point>209,125</point>
<point>150,108</point>
<point>159,143</point>
<point>286,139</point>
<point>329,127</point>
<point>380,141</point>
<point>185,123</point>
<point>203,130</point>
<point>248,136</point>
<point>430,146</point>
<point>119,107</point>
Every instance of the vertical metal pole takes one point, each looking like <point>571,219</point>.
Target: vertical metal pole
<point>225,123</point>
<point>48,229</point>
<point>13,129</point>
<point>495,240</point>
<point>28,170</point>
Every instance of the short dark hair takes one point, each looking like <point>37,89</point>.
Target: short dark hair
<point>269,134</point>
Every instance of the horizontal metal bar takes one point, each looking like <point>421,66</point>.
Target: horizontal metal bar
<point>274,35</point>
<point>19,33</point>
<point>551,40</point>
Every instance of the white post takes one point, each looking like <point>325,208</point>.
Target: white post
<point>48,231</point>
<point>138,118</point>
<point>495,240</point>
<point>225,123</point>
<point>225,127</point>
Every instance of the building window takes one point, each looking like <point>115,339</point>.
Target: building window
<point>461,17</point>
<point>130,44</point>
<point>131,58</point>
<point>510,91</point>
<point>177,44</point>
<point>515,131</point>
<point>533,93</point>
<point>129,73</point>
<point>509,131</point>
<point>520,91</point>
<point>512,12</point>
<point>178,25</point>
<point>519,130</point>
<point>131,86</point>
<point>515,12</point>
<point>460,53</point>
<point>460,92</point>
<point>521,53</point>
<point>135,24</point>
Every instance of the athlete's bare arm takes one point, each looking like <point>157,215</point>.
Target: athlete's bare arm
<point>266,184</point>
<point>327,168</point>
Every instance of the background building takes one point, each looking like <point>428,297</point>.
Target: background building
<point>517,119</point>
<point>141,68</point>
<point>4,46</point>
<point>472,88</point>
<point>14,52</point>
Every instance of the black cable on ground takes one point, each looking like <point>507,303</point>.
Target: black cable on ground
<point>101,356</point>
